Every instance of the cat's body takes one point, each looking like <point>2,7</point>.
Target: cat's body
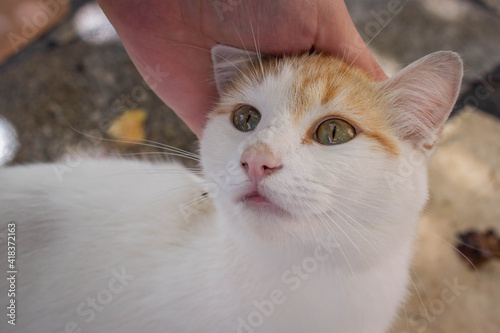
<point>194,278</point>
<point>284,234</point>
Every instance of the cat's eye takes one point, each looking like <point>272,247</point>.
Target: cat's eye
<point>334,131</point>
<point>246,118</point>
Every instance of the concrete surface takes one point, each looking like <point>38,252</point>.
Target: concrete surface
<point>78,78</point>
<point>401,31</point>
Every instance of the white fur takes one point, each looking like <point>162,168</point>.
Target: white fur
<point>336,261</point>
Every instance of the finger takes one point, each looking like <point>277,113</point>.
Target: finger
<point>176,71</point>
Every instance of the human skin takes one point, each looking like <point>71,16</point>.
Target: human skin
<point>173,38</point>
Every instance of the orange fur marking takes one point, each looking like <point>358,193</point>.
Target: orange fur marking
<point>329,79</point>
<point>322,81</point>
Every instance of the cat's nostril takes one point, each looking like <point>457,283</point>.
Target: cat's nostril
<point>259,162</point>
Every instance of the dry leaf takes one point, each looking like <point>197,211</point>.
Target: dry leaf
<point>477,248</point>
<point>129,127</point>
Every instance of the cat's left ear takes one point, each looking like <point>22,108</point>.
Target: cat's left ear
<point>422,96</point>
<point>228,63</point>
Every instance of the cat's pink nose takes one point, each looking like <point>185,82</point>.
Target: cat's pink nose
<point>258,162</point>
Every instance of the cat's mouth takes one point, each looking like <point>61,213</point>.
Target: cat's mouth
<point>257,200</point>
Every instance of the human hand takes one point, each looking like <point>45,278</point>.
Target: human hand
<point>175,37</point>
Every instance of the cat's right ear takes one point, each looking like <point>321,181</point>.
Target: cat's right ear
<point>228,62</point>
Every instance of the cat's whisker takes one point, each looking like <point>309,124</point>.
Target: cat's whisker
<point>192,189</point>
<point>351,210</point>
<point>144,142</point>
<point>346,222</point>
<point>159,171</point>
<point>407,318</point>
<point>365,49</point>
<point>344,52</point>
<point>200,201</point>
<point>338,243</point>
<point>454,248</point>
<point>359,225</point>
<point>354,276</point>
<point>413,272</point>
<point>364,204</point>
<point>228,61</point>
<point>152,153</point>
<point>428,318</point>
<point>197,159</point>
<point>331,192</point>
<point>142,172</point>
<point>313,230</point>
<point>157,197</point>
<point>171,148</point>
<point>412,281</point>
<point>257,48</point>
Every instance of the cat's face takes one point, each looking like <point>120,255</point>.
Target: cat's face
<point>305,147</point>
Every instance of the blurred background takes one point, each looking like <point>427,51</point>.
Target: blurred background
<point>66,82</point>
<point>75,78</point>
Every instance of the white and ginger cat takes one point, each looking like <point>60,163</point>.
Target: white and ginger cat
<point>314,176</point>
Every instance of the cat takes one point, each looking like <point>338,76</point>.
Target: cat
<point>314,176</point>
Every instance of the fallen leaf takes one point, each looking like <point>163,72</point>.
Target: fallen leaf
<point>477,248</point>
<point>129,127</point>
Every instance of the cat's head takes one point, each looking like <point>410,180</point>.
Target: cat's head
<point>299,147</point>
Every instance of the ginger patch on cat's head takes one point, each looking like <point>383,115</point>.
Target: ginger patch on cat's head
<point>353,95</point>
<point>315,87</point>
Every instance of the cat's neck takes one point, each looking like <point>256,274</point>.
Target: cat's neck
<point>325,251</point>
